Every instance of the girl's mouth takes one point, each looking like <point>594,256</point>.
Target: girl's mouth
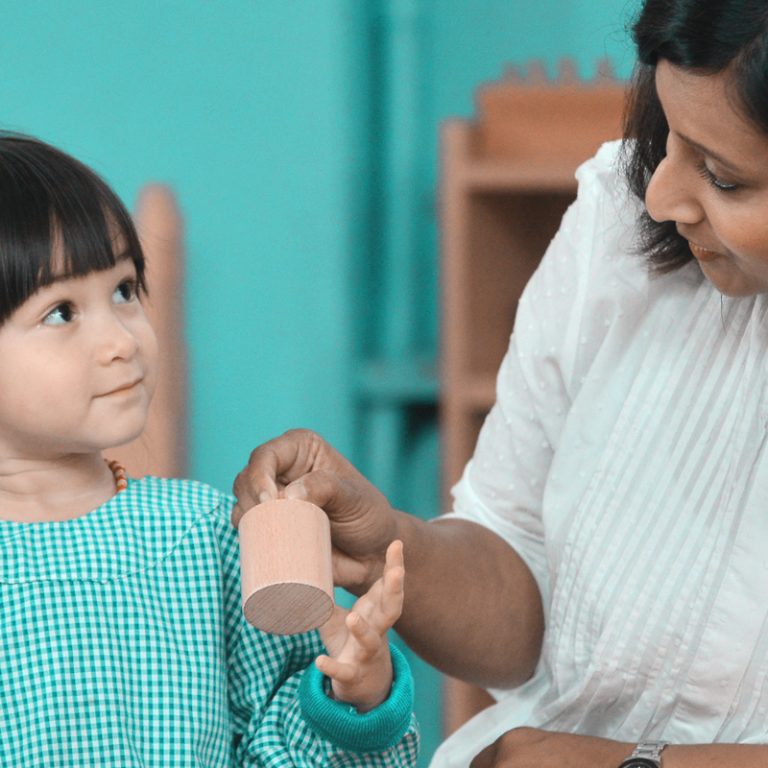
<point>124,389</point>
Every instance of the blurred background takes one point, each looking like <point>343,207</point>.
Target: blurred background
<point>301,140</point>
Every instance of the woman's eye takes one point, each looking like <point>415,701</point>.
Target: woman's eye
<point>59,315</point>
<point>125,292</point>
<point>719,184</point>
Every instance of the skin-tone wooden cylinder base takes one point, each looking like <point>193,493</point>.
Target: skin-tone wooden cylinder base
<point>285,566</point>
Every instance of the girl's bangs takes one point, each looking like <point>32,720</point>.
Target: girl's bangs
<point>57,219</point>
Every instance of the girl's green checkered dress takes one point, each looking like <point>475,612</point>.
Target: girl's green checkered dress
<point>122,643</point>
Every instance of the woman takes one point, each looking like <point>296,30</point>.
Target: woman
<point>604,569</point>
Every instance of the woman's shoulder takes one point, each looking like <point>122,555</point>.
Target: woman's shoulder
<point>604,191</point>
<point>611,214</point>
<point>594,276</point>
<point>602,179</point>
<point>605,161</point>
<point>605,171</point>
<point>595,255</point>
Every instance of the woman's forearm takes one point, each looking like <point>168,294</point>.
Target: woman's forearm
<point>472,608</point>
<point>534,748</point>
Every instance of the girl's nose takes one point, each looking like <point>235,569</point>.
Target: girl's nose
<point>671,193</point>
<point>116,341</point>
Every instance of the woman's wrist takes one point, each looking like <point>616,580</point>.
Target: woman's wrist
<point>647,754</point>
<point>715,756</point>
<point>372,566</point>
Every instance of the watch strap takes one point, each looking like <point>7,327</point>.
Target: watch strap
<point>647,754</point>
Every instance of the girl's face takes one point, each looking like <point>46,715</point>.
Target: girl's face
<point>713,182</point>
<point>77,367</point>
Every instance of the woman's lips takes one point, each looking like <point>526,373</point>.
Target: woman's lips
<point>702,254</point>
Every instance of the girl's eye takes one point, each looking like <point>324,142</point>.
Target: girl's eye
<point>718,184</point>
<point>125,292</point>
<point>59,315</point>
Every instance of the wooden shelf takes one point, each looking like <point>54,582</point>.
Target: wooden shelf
<point>501,176</point>
<point>479,393</point>
<point>506,179</point>
<point>475,393</point>
<point>497,219</point>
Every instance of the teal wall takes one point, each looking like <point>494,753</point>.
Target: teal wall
<point>301,139</point>
<point>244,108</point>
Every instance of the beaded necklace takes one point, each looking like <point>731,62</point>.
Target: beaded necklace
<point>119,473</point>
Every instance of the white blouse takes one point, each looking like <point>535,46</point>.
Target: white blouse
<point>625,461</point>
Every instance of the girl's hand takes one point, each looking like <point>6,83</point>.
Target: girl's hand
<point>358,661</point>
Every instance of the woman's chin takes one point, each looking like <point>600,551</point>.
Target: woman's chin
<point>730,281</point>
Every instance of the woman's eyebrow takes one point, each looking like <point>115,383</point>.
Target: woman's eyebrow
<point>711,153</point>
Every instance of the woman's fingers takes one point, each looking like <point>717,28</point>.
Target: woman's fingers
<point>348,571</point>
<point>277,463</point>
<point>258,481</point>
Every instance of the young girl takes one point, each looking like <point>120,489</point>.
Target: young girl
<point>122,642</point>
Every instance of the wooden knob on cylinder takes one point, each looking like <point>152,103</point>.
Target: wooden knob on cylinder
<point>285,566</point>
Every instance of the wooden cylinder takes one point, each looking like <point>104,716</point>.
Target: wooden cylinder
<point>285,566</point>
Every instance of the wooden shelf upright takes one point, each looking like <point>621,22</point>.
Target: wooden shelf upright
<point>506,179</point>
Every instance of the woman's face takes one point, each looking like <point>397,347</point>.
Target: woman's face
<point>713,182</point>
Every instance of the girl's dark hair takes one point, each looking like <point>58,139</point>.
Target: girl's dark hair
<point>707,37</point>
<point>55,213</point>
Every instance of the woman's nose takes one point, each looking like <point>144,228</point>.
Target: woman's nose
<point>671,196</point>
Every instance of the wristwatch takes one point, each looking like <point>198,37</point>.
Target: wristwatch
<point>647,754</point>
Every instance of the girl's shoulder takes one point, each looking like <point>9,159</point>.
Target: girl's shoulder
<point>151,521</point>
<point>171,515</point>
<point>185,498</point>
<point>178,505</point>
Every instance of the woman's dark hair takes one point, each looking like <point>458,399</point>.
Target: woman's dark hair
<point>707,37</point>
<point>52,207</point>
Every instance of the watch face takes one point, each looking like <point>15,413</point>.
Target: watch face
<point>639,762</point>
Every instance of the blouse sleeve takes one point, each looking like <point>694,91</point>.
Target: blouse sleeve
<point>504,483</point>
<point>280,710</point>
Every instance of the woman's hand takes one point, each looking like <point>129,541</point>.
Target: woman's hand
<point>301,465</point>
<point>359,663</point>
<point>534,748</point>
<point>465,583</point>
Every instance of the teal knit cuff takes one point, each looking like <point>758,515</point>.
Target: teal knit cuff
<point>342,725</point>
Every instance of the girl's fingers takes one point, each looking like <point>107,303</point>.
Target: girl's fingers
<point>382,605</point>
<point>333,633</point>
<point>394,583</point>
<point>336,670</point>
<point>394,555</point>
<point>368,639</point>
